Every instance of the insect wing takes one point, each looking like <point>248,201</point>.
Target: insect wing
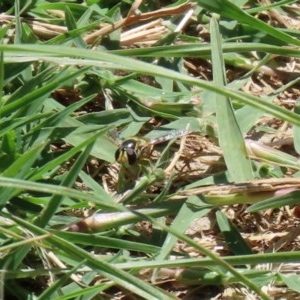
<point>173,134</point>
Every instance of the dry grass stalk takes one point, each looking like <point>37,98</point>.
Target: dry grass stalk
<point>146,34</point>
<point>136,18</point>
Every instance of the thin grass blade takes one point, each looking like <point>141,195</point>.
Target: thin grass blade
<point>230,137</point>
<point>232,236</point>
<point>124,279</point>
<point>229,10</point>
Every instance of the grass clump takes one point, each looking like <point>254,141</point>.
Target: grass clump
<point>197,216</point>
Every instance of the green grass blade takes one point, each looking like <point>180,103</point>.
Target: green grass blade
<point>47,168</point>
<point>114,61</point>
<point>204,50</point>
<point>59,283</point>
<point>21,168</point>
<point>267,6</point>
<point>57,118</point>
<point>108,242</point>
<point>71,24</point>
<point>34,96</point>
<point>296,129</point>
<point>181,223</point>
<point>230,138</point>
<point>52,189</point>
<point>232,236</point>
<point>124,279</point>
<point>229,10</point>
<point>289,198</point>
<point>218,261</point>
<point>292,281</point>
<point>1,79</point>
<point>40,79</point>
<point>205,262</point>
<point>68,181</point>
<point>146,68</point>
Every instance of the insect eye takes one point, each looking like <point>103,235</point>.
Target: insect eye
<point>131,156</point>
<point>117,154</point>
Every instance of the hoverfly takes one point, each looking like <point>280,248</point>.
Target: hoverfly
<point>134,156</point>
<point>135,149</point>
